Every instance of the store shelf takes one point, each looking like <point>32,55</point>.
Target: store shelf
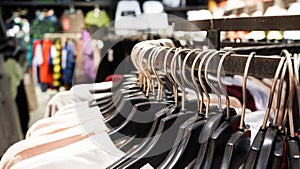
<point>184,8</point>
<point>102,3</point>
<point>290,22</point>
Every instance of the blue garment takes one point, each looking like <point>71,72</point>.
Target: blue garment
<point>68,69</point>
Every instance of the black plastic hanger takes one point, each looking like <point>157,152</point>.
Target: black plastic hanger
<point>158,117</point>
<point>184,134</point>
<point>188,149</point>
<point>272,132</point>
<point>212,123</point>
<point>279,156</point>
<point>157,149</point>
<point>141,116</point>
<point>218,139</point>
<point>126,105</point>
<point>293,152</point>
<point>255,148</point>
<point>238,145</point>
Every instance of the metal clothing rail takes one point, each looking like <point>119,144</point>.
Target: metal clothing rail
<point>62,35</point>
<point>261,66</point>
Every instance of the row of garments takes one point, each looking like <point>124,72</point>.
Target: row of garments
<point>168,117</point>
<point>53,61</point>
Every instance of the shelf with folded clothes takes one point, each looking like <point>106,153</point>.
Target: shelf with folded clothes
<point>263,23</point>
<point>103,3</point>
<point>184,8</point>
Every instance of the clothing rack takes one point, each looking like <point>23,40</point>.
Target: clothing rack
<point>62,35</point>
<point>264,23</point>
<point>261,66</point>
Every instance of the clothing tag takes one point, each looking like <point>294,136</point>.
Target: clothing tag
<point>110,57</point>
<point>27,79</point>
<point>147,166</point>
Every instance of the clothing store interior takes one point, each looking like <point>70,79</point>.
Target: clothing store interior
<point>146,84</point>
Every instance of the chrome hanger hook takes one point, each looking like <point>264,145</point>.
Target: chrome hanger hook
<point>220,81</point>
<point>246,71</point>
<point>271,95</point>
<point>173,71</point>
<point>194,86</point>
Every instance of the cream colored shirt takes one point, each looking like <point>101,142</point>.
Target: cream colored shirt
<point>35,146</point>
<point>97,152</point>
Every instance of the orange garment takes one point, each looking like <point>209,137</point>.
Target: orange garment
<point>45,70</point>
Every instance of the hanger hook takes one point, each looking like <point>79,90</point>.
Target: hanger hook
<point>212,54</point>
<point>160,82</point>
<point>145,68</point>
<point>173,71</point>
<point>151,69</point>
<point>135,53</point>
<point>148,70</point>
<point>280,95</point>
<point>271,95</point>
<point>203,55</point>
<point>291,92</point>
<point>175,86</point>
<point>246,70</point>
<point>296,68</point>
<point>199,92</point>
<point>228,53</point>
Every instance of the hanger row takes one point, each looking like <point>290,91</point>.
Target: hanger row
<point>207,129</point>
<point>261,66</point>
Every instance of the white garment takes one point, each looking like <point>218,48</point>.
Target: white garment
<point>28,148</point>
<point>75,115</point>
<point>38,55</point>
<point>53,51</point>
<point>77,93</point>
<point>254,120</point>
<point>97,152</point>
<point>153,7</point>
<point>293,10</point>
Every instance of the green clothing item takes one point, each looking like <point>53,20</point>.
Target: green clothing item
<point>14,70</point>
<point>98,18</point>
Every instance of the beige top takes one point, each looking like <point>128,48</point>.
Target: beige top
<point>35,146</point>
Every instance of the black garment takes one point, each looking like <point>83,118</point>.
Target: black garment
<point>22,106</point>
<point>121,60</point>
